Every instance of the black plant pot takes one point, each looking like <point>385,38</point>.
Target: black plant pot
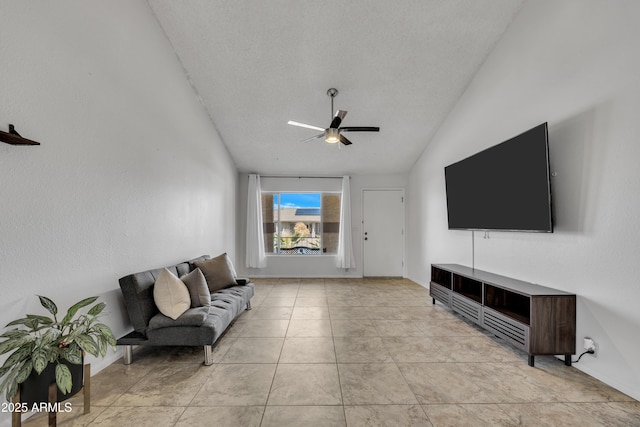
<point>35,389</point>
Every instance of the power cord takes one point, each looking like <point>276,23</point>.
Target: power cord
<point>590,351</point>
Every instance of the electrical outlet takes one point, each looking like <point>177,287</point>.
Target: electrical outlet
<point>590,345</point>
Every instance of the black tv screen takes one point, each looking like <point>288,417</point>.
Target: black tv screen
<point>505,187</point>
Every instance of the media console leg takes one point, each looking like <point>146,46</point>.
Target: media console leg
<point>567,359</point>
<point>433,301</point>
<point>531,360</point>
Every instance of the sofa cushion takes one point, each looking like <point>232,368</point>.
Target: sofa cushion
<point>205,334</point>
<point>232,299</point>
<point>171,295</point>
<point>191,317</point>
<point>197,286</point>
<point>218,272</point>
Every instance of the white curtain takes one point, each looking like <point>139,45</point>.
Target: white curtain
<point>345,258</point>
<point>255,256</point>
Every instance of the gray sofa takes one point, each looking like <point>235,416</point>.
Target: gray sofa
<point>200,326</point>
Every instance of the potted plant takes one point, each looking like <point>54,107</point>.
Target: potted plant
<point>44,344</point>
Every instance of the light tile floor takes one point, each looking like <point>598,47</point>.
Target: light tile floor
<point>338,352</point>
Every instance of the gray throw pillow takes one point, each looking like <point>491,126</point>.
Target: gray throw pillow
<point>217,272</point>
<point>197,286</point>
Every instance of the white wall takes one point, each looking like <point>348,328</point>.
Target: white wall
<point>131,174</point>
<point>312,265</point>
<point>576,65</point>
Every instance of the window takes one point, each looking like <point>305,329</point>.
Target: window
<point>301,223</point>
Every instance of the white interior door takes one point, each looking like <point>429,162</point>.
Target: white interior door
<point>383,233</point>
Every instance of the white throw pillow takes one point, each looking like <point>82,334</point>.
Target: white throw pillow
<point>171,295</point>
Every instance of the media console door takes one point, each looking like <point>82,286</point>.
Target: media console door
<point>532,318</point>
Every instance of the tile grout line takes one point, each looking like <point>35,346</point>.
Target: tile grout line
<point>335,355</point>
<point>275,372</point>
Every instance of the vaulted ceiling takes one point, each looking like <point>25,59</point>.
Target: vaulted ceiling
<point>399,65</point>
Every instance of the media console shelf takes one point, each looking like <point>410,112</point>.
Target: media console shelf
<point>533,318</point>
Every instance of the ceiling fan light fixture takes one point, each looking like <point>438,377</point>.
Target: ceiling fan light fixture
<point>332,136</point>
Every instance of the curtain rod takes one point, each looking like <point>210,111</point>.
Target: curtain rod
<point>300,177</point>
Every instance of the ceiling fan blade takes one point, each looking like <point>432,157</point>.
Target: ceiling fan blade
<point>337,119</point>
<point>304,125</point>
<point>313,137</point>
<point>344,140</point>
<point>360,129</point>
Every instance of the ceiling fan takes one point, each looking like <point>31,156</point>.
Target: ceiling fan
<point>332,134</point>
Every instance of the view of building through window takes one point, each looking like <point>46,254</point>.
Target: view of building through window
<point>301,223</point>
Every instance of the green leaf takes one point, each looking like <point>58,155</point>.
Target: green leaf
<point>63,378</point>
<point>23,348</point>
<point>24,371</point>
<point>11,390</point>
<point>11,343</point>
<point>4,370</point>
<point>24,321</point>
<point>8,382</point>
<point>103,346</point>
<point>73,354</point>
<point>87,344</point>
<point>74,308</point>
<point>96,309</point>
<point>106,332</point>
<point>103,329</point>
<point>52,353</point>
<point>42,319</point>
<point>112,341</point>
<point>79,329</point>
<point>17,356</point>
<point>49,305</point>
<point>50,336</point>
<point>40,361</point>
<point>14,333</point>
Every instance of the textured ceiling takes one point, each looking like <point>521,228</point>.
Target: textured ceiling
<point>399,65</point>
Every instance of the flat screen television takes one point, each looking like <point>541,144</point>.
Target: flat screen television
<point>506,187</point>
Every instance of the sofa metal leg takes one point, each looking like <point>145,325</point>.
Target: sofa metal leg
<point>128,354</point>
<point>248,305</point>
<point>208,355</point>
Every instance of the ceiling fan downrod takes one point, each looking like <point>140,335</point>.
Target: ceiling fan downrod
<point>332,92</point>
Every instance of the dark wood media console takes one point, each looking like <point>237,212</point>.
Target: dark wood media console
<point>533,318</point>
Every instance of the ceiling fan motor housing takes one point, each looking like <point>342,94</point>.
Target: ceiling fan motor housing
<point>332,135</point>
